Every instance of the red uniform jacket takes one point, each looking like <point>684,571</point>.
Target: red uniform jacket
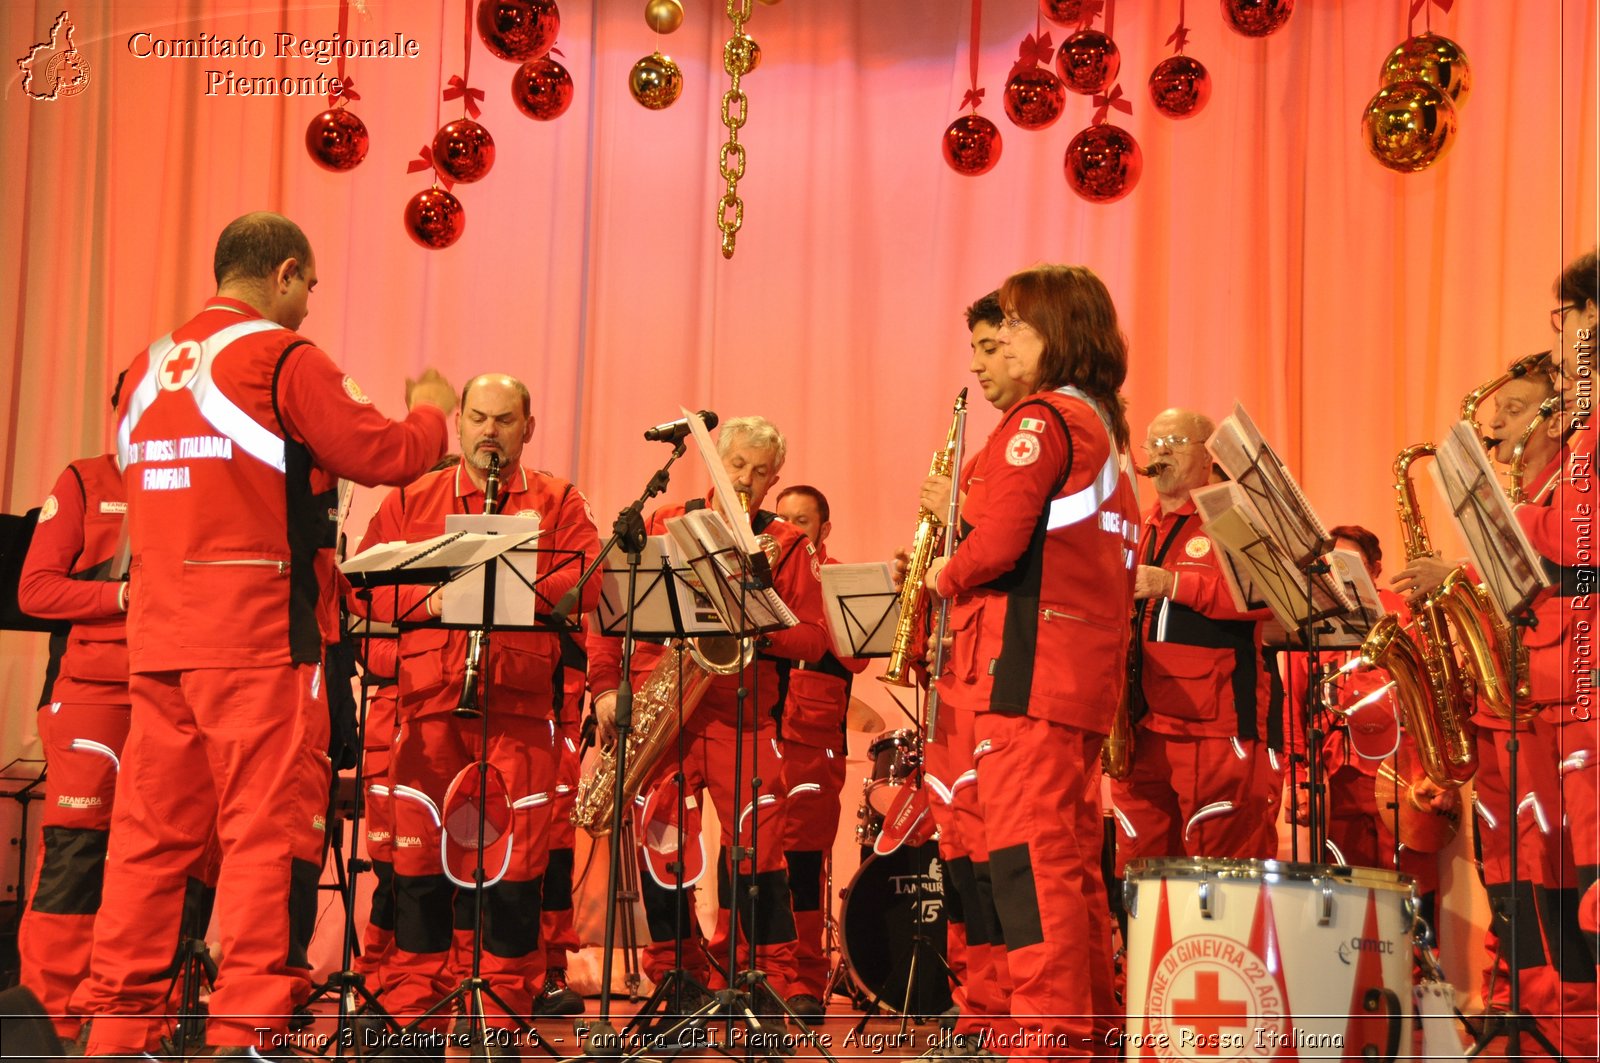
<point>1042,582</point>
<point>233,432</point>
<point>67,576</point>
<point>1560,523</point>
<point>1200,657</point>
<point>521,665</point>
<point>795,579</point>
<point>819,694</point>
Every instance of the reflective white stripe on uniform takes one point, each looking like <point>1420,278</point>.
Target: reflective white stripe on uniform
<point>1238,750</point>
<point>1531,801</point>
<point>413,794</point>
<point>216,408</point>
<point>1485,815</point>
<point>378,790</point>
<point>1124,822</point>
<point>1576,761</point>
<point>1081,505</point>
<point>805,788</point>
<point>940,790</point>
<point>766,800</point>
<point>531,801</point>
<point>966,778</point>
<point>1338,857</point>
<point>1211,811</point>
<point>89,745</point>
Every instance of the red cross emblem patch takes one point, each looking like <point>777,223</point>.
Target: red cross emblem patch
<point>1023,449</point>
<point>179,366</point>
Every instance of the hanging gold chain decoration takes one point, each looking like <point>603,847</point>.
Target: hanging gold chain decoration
<point>739,57</point>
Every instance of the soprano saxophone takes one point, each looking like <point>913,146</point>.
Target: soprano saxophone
<point>924,545</point>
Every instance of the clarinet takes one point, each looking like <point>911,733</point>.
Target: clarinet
<point>471,697</point>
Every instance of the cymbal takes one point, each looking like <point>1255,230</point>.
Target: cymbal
<point>859,716</point>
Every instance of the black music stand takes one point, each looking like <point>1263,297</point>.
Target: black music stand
<point>462,557</point>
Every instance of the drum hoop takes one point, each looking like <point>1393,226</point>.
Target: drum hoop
<point>904,737</point>
<point>1185,867</point>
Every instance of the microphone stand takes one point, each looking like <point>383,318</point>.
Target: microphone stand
<point>627,531</point>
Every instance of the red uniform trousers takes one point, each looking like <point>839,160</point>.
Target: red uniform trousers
<point>708,764</point>
<point>377,941</point>
<point>1194,797</point>
<point>430,750</point>
<point>82,745</point>
<point>1039,794</point>
<point>556,928</point>
<point>976,950</point>
<point>812,779</point>
<point>235,755</point>
<point>1574,1026</point>
<point>1538,808</point>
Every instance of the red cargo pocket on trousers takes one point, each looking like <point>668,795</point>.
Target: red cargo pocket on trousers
<point>527,670</point>
<point>1186,682</point>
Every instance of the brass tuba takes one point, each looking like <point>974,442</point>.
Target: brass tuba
<point>924,545</point>
<point>665,699</point>
<point>1432,692</point>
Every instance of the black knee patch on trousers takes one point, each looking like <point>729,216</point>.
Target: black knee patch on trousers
<point>805,879</point>
<point>1015,895</point>
<point>1529,951</point>
<point>983,913</point>
<point>303,878</point>
<point>558,881</point>
<point>961,897</point>
<point>511,917</point>
<point>423,912</point>
<point>382,915</point>
<point>774,914</point>
<point>72,872</point>
<point>1563,937</point>
<point>665,910</point>
<point>1588,875</point>
<point>464,910</point>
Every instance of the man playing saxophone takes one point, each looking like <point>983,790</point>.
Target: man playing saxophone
<point>1197,786</point>
<point>1521,432</point>
<point>752,451</point>
<point>522,674</point>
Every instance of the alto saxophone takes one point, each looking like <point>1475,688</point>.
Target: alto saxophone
<point>924,544</point>
<point>1429,685</point>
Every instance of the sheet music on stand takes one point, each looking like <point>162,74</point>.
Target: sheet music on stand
<point>716,555</point>
<point>1263,567</point>
<point>516,576</point>
<point>668,601</point>
<point>1510,568</point>
<point>434,560</point>
<point>1249,459</point>
<point>862,608</point>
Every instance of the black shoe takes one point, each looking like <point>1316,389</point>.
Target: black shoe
<point>807,1008</point>
<point>557,998</point>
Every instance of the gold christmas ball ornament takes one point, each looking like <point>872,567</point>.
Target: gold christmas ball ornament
<point>663,16</point>
<point>741,55</point>
<point>656,82</point>
<point>1408,126</point>
<point>1429,57</point>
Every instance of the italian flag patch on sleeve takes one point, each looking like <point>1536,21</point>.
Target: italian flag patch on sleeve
<point>1031,424</point>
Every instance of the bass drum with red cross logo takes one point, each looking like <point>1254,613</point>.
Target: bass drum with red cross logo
<point>1260,960</point>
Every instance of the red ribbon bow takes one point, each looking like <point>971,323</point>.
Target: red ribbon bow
<point>347,91</point>
<point>1179,38</point>
<point>424,161</point>
<point>972,98</point>
<point>1442,5</point>
<point>459,89</point>
<point>1107,102</point>
<point>1035,51</point>
<point>1090,11</point>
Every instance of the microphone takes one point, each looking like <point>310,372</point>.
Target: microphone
<point>673,431</point>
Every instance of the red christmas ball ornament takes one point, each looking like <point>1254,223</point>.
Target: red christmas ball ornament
<point>542,89</point>
<point>463,150</point>
<point>337,140</point>
<point>1088,62</point>
<point>435,219</point>
<point>972,145</point>
<point>1034,98</point>
<point>1062,12</point>
<point>1179,86</point>
<point>1256,18</point>
<point>1103,163</point>
<point>518,30</point>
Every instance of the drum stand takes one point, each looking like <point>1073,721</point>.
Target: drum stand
<point>1513,1023</point>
